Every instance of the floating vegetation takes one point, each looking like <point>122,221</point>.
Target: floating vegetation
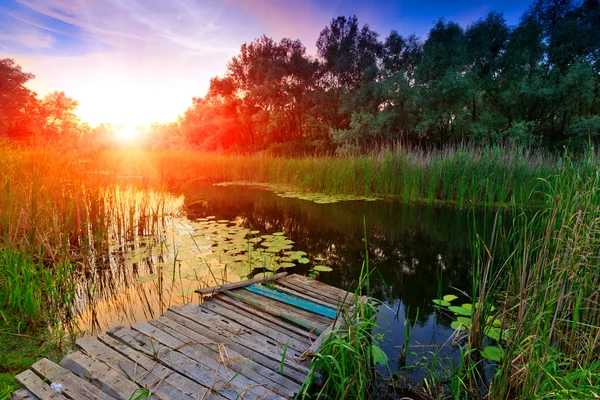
<point>208,251</point>
<point>292,192</point>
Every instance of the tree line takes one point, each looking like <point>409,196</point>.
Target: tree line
<point>534,83</point>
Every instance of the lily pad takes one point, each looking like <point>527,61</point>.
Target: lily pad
<point>304,260</point>
<point>450,297</point>
<point>460,310</point>
<point>322,268</point>
<point>441,302</point>
<point>492,353</point>
<point>379,356</point>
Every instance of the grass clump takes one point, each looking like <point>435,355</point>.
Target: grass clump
<point>346,359</point>
<point>552,297</point>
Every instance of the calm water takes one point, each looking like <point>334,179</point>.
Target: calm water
<point>416,251</point>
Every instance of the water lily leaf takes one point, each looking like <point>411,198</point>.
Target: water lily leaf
<point>457,325</point>
<point>441,302</point>
<point>322,268</point>
<point>494,333</point>
<point>278,234</point>
<point>146,278</point>
<point>468,307</point>
<point>460,310</point>
<point>319,259</point>
<point>450,297</point>
<point>379,356</point>
<point>492,353</point>
<point>304,260</point>
<point>287,264</point>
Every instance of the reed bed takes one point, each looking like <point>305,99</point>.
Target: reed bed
<point>552,297</point>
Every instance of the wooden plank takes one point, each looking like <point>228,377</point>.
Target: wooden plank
<point>206,356</point>
<point>310,318</point>
<point>72,386</point>
<point>230,387</point>
<point>29,380</point>
<point>188,321</point>
<point>235,285</point>
<point>260,304</point>
<point>340,293</point>
<point>297,302</point>
<point>234,332</point>
<point>333,301</point>
<point>109,380</point>
<point>302,295</point>
<point>258,326</point>
<point>249,350</point>
<point>141,369</point>
<point>233,360</point>
<point>22,394</point>
<point>319,293</point>
<point>252,313</point>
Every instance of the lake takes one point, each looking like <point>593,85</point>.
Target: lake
<point>416,254</point>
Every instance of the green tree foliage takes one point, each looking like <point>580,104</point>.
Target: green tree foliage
<point>537,82</point>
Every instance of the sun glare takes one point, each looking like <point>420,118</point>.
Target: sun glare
<point>127,133</point>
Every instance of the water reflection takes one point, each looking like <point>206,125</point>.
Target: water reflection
<point>417,252</point>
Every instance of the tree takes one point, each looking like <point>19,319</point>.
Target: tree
<point>18,105</point>
<point>57,111</point>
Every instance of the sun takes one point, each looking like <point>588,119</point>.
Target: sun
<point>127,133</point>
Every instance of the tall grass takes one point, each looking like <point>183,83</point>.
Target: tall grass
<point>461,176</point>
<point>58,215</point>
<point>552,298</point>
<point>345,361</point>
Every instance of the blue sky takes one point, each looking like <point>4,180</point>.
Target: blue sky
<point>137,61</point>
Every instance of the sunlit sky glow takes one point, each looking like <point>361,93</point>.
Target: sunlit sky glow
<point>139,61</point>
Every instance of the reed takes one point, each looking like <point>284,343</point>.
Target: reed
<point>552,301</point>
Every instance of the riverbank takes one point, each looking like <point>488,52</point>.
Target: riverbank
<point>59,211</point>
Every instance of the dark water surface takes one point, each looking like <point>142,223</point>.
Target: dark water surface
<point>417,252</point>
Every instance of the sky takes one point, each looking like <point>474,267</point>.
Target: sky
<point>142,61</point>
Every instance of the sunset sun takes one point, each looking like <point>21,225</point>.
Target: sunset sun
<point>127,133</point>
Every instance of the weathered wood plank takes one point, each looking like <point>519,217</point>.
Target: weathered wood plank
<point>206,356</point>
<point>325,288</point>
<point>260,327</point>
<point>29,380</point>
<point>302,295</point>
<point>261,316</point>
<point>230,329</point>
<point>142,370</point>
<point>109,380</point>
<point>72,386</point>
<point>231,388</point>
<point>306,286</point>
<point>333,301</point>
<point>294,301</point>
<point>310,318</point>
<point>248,348</point>
<point>230,286</point>
<point>232,359</point>
<point>274,310</point>
<point>23,394</point>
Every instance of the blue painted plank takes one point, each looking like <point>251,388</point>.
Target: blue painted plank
<point>294,301</point>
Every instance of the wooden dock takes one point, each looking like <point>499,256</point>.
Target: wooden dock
<point>251,342</point>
